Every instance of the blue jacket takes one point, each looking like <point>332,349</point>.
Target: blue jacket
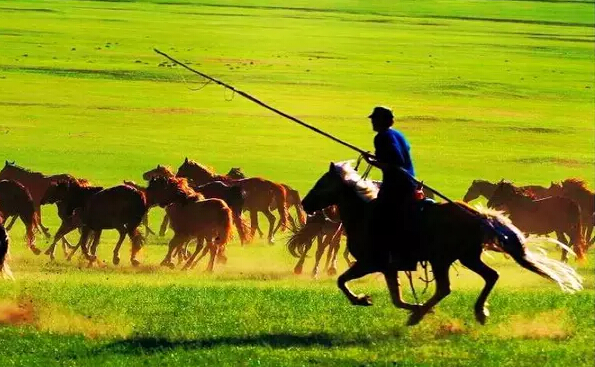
<point>392,148</point>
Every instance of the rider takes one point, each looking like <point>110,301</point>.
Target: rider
<point>392,213</point>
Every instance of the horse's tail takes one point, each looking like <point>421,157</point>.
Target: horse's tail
<point>243,228</point>
<point>4,242</point>
<point>280,195</point>
<point>298,242</point>
<point>225,233</point>
<point>501,232</point>
<point>31,223</point>
<point>298,207</point>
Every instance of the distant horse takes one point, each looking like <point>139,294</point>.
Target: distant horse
<point>35,182</point>
<point>4,244</point>
<point>236,173</point>
<point>71,198</point>
<point>121,208</point>
<point>578,191</point>
<point>447,232</point>
<point>486,189</point>
<point>259,194</point>
<point>15,200</point>
<point>553,214</point>
<point>159,171</point>
<point>328,234</point>
<point>190,217</point>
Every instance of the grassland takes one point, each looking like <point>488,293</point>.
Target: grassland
<point>483,89</point>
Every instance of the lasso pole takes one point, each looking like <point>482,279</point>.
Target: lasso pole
<point>315,129</point>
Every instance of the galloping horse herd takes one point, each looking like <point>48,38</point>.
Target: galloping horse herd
<point>202,205</point>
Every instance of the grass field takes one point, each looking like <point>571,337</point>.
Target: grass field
<point>482,89</point>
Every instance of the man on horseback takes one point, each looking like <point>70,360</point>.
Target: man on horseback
<point>394,204</point>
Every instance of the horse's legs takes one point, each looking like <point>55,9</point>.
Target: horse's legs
<point>334,250</point>
<point>199,246</point>
<point>490,276</point>
<point>175,242</point>
<point>45,230</point>
<point>394,287</point>
<point>442,290</point>
<point>203,254</point>
<point>322,245</point>
<point>562,239</point>
<point>271,218</point>
<point>146,225</point>
<point>254,224</point>
<point>14,219</point>
<point>116,256</point>
<point>346,256</point>
<point>213,252</point>
<point>237,221</point>
<point>300,264</point>
<point>96,238</point>
<point>65,228</point>
<point>358,270</point>
<point>291,222</point>
<point>30,235</point>
<point>164,224</point>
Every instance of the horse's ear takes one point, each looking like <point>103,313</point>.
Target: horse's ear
<point>186,160</point>
<point>158,166</point>
<point>331,167</point>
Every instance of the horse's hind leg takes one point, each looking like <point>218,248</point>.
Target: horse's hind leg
<point>145,221</point>
<point>45,230</point>
<point>490,276</point>
<point>271,218</point>
<point>356,271</point>
<point>300,264</point>
<point>116,256</point>
<point>442,290</point>
<point>394,287</point>
<point>561,238</point>
<point>13,219</point>
<point>164,224</point>
<point>174,243</point>
<point>199,245</point>
<point>254,224</point>
<point>64,229</point>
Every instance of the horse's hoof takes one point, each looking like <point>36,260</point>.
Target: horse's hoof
<point>271,241</point>
<point>363,300</point>
<point>297,270</point>
<point>415,317</point>
<point>332,271</point>
<point>35,250</point>
<point>134,262</point>
<point>482,315</point>
<point>49,251</point>
<point>116,260</point>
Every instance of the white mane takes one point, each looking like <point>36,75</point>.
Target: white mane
<point>365,189</point>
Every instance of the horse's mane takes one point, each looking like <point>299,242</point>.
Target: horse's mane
<point>202,167</point>
<point>575,184</point>
<point>519,190</point>
<point>168,170</point>
<point>365,189</point>
<point>14,166</point>
<point>182,185</point>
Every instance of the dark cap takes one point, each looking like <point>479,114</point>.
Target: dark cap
<point>383,113</point>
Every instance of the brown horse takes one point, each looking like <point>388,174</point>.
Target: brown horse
<point>328,234</point>
<point>553,214</point>
<point>36,182</point>
<point>4,245</point>
<point>122,208</point>
<point>486,189</point>
<point>578,191</point>
<point>71,198</point>
<point>259,194</point>
<point>191,217</point>
<point>145,221</point>
<point>447,232</point>
<point>15,200</point>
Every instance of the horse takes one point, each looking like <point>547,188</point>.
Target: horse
<point>36,182</point>
<point>578,191</point>
<point>236,173</point>
<point>15,200</point>
<point>159,171</point>
<point>259,194</point>
<point>328,234</point>
<point>191,217</point>
<point>447,232</point>
<point>145,221</point>
<point>486,189</point>
<point>553,214</point>
<point>71,198</point>
<point>4,244</point>
<point>120,207</point>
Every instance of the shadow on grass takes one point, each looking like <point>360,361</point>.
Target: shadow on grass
<point>138,345</point>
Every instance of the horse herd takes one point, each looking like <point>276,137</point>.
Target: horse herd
<point>205,206</point>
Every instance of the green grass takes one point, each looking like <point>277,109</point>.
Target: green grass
<point>482,89</point>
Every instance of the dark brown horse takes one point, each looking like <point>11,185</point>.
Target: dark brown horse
<point>447,232</point>
<point>191,217</point>
<point>15,200</point>
<point>121,208</point>
<point>71,198</point>
<point>486,189</point>
<point>259,194</point>
<point>553,214</point>
<point>36,182</point>
<point>578,191</point>
<point>145,221</point>
<point>4,245</point>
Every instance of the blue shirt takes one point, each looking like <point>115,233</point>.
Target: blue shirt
<point>392,148</point>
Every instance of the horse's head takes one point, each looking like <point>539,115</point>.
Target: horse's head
<point>236,173</point>
<point>196,172</point>
<point>472,192</point>
<point>556,188</point>
<point>56,191</point>
<point>325,192</point>
<point>164,191</point>
<point>502,194</point>
<point>159,171</point>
